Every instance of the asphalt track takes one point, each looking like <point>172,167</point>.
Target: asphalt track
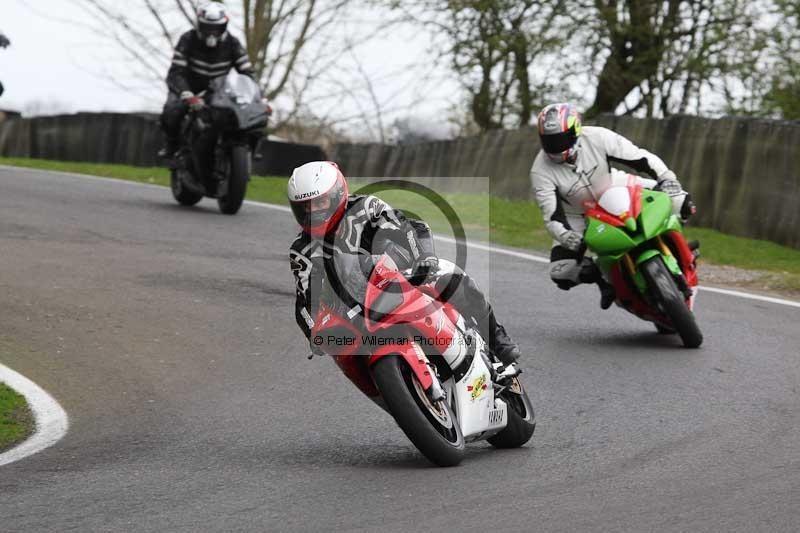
<point>168,336</point>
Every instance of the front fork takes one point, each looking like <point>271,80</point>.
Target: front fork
<point>671,262</point>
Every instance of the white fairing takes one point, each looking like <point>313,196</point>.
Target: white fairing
<point>477,408</point>
<point>616,200</point>
<point>458,349</point>
<point>242,88</point>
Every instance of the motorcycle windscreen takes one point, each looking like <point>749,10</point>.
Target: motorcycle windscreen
<point>242,89</point>
<point>390,298</point>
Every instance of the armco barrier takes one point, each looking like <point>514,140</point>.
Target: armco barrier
<point>743,173</point>
<point>128,139</point>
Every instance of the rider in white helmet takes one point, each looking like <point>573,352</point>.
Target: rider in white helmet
<point>206,52</point>
<point>333,221</point>
<point>574,166</point>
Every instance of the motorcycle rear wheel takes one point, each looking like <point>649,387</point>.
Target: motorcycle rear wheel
<point>521,418</point>
<point>181,194</point>
<point>432,428</point>
<point>665,290</point>
<point>237,181</point>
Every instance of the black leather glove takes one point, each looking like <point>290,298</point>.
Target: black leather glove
<point>688,209</point>
<point>315,350</point>
<point>423,267</point>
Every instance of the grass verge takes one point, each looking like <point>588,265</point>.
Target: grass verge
<point>16,421</point>
<point>516,223</point>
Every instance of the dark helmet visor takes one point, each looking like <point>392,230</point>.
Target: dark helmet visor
<point>555,143</point>
<point>207,29</point>
<point>308,217</point>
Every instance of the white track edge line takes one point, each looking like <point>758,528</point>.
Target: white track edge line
<point>51,420</point>
<point>542,259</point>
<point>477,246</point>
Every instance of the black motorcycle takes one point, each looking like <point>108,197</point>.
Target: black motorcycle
<point>217,143</point>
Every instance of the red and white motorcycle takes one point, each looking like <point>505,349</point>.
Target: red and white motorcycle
<point>420,360</point>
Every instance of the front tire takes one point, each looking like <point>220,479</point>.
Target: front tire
<point>521,418</point>
<point>666,292</point>
<point>432,428</point>
<point>181,194</point>
<point>237,181</point>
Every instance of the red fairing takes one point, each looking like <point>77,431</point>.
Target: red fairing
<point>418,314</point>
<point>603,216</point>
<point>349,358</point>
<point>685,256</point>
<point>636,196</point>
<point>415,305</point>
<point>412,358</point>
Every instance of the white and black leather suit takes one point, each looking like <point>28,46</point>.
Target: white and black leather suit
<point>370,226</point>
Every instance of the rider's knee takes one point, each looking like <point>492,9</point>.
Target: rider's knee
<point>589,271</point>
<point>565,267</point>
<point>565,273</point>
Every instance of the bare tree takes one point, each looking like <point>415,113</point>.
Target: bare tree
<point>660,58</point>
<point>493,46</point>
<point>287,40</point>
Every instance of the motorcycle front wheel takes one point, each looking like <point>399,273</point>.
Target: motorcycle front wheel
<point>181,194</point>
<point>237,181</point>
<point>664,289</point>
<point>521,419</point>
<point>431,426</point>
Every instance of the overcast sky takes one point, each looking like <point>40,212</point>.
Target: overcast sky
<point>54,65</point>
<point>46,66</point>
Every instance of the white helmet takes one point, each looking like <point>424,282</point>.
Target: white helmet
<point>317,192</point>
<point>212,23</point>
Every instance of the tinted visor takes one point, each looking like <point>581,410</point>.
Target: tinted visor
<point>556,143</point>
<point>207,30</point>
<point>310,216</point>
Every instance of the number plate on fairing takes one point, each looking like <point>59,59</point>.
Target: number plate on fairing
<point>497,418</point>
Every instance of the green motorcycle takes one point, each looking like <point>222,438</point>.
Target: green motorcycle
<point>641,250</point>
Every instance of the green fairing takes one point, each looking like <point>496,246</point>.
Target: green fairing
<point>606,239</point>
<point>656,208</point>
<point>647,254</point>
<point>611,243</point>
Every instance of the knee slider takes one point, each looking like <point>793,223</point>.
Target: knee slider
<point>565,273</point>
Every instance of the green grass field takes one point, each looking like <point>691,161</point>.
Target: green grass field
<point>16,422</point>
<point>516,223</point>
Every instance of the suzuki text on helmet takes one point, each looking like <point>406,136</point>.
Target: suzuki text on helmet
<point>318,192</point>
<point>212,23</point>
<point>559,129</point>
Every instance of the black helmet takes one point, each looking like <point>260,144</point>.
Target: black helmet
<point>559,129</point>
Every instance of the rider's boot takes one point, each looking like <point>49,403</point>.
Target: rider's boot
<point>590,273</point>
<point>607,293</point>
<point>501,344</point>
<point>168,151</point>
